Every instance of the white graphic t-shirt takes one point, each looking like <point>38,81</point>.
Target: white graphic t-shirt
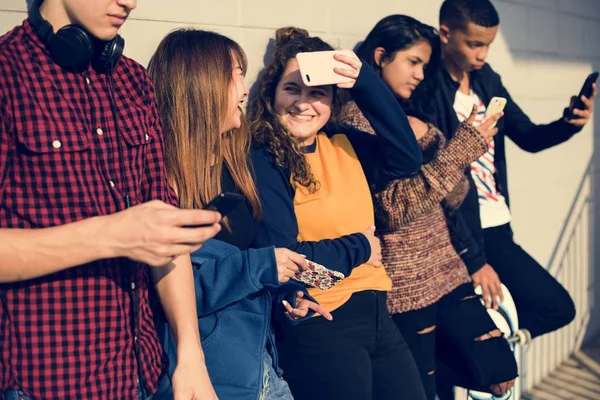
<point>493,209</point>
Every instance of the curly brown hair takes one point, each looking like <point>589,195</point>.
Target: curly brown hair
<point>266,127</point>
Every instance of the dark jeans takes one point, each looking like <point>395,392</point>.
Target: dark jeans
<point>459,318</point>
<point>164,391</point>
<point>359,355</point>
<point>542,303</point>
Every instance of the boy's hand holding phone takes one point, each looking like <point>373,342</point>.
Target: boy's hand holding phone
<point>581,107</point>
<point>155,233</point>
<point>223,203</point>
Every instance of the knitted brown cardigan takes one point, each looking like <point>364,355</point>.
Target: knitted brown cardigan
<point>417,252</point>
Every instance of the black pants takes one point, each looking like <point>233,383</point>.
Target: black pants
<point>359,355</point>
<point>459,318</point>
<point>542,303</point>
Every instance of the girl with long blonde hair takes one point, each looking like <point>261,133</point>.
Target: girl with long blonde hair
<point>199,81</point>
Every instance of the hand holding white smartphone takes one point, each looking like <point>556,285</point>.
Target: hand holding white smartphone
<point>495,106</point>
<point>316,68</point>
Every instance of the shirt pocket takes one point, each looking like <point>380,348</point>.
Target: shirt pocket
<point>52,156</point>
<point>134,130</point>
<point>210,329</point>
<point>53,173</point>
<point>54,152</point>
<point>56,140</point>
<point>133,115</point>
<point>134,139</point>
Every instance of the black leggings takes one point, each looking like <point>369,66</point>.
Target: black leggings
<point>359,355</point>
<point>459,318</point>
<point>542,303</point>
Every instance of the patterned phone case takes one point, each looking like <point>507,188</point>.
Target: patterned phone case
<point>318,276</point>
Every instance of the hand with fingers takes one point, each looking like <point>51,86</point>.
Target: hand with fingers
<point>581,117</point>
<point>352,71</point>
<point>288,264</point>
<point>155,233</point>
<point>491,286</point>
<point>375,244</point>
<point>487,129</point>
<point>192,382</point>
<point>303,306</point>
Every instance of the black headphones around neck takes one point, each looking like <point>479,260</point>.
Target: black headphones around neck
<point>73,47</point>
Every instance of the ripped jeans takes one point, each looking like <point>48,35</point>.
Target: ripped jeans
<point>449,335</point>
<point>273,387</point>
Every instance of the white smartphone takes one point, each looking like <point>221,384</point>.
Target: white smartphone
<point>317,67</point>
<point>496,105</point>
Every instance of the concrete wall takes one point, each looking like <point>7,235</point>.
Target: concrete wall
<point>544,51</point>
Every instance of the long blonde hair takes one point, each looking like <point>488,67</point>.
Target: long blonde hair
<point>192,71</point>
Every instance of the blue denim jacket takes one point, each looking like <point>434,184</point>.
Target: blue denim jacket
<point>234,296</point>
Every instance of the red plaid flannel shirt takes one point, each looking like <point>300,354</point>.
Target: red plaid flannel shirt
<point>81,333</point>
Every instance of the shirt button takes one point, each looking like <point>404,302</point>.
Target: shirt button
<point>56,144</point>
<point>99,131</point>
<point>111,183</point>
<point>87,80</point>
<point>147,137</point>
<point>133,285</point>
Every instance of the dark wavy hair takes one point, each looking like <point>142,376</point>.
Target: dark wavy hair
<point>396,33</point>
<point>266,127</point>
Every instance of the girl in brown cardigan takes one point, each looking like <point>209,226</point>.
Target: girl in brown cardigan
<point>432,290</point>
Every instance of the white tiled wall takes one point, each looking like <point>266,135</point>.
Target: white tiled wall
<point>544,51</point>
<point>543,35</point>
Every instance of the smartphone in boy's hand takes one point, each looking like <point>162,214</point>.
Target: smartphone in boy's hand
<point>587,90</point>
<point>224,203</point>
<point>496,105</point>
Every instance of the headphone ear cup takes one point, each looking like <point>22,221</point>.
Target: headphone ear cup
<point>109,54</point>
<point>71,47</point>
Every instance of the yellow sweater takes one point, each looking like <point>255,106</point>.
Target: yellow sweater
<point>342,206</point>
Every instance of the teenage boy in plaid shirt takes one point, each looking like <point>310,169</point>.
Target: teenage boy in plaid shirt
<point>88,223</point>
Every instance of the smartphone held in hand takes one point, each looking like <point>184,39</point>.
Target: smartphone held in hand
<point>586,90</point>
<point>224,203</point>
<point>316,68</point>
<point>318,276</point>
<point>495,106</point>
